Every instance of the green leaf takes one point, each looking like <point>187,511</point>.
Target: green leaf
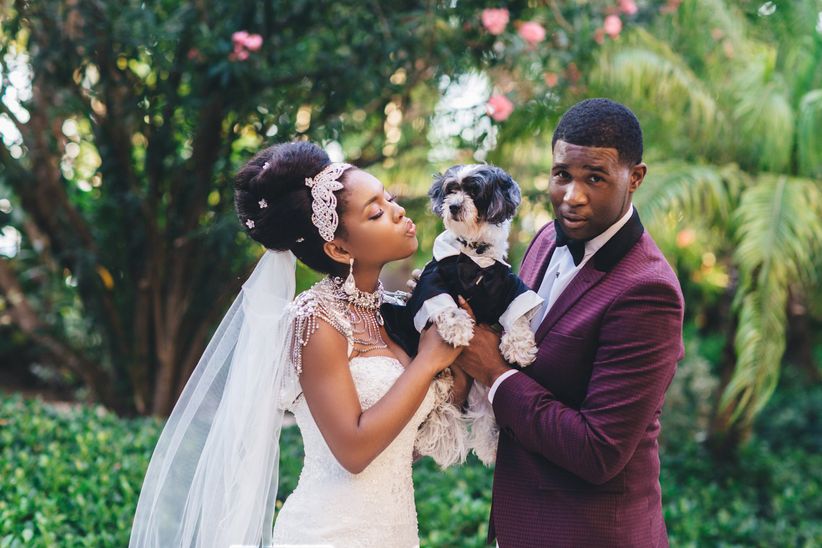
<point>779,230</point>
<point>809,134</point>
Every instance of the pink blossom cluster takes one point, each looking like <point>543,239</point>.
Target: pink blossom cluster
<point>495,20</point>
<point>628,7</point>
<point>533,33</point>
<point>612,26</point>
<point>499,107</point>
<point>244,44</point>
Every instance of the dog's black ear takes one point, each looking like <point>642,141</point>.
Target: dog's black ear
<point>437,190</point>
<point>505,198</point>
<point>437,193</point>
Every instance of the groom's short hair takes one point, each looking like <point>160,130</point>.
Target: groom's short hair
<point>602,123</point>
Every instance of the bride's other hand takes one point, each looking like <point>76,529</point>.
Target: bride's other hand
<point>435,352</point>
<point>415,277</point>
<point>467,307</point>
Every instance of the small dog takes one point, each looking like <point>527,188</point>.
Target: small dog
<point>476,203</point>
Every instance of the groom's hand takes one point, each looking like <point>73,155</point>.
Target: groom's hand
<point>461,387</point>
<point>482,359</point>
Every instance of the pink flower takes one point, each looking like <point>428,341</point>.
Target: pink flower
<point>628,6</point>
<point>243,44</point>
<point>551,79</point>
<point>500,107</point>
<point>495,20</point>
<point>532,32</point>
<point>253,42</point>
<point>239,54</point>
<point>193,54</point>
<point>670,7</point>
<point>599,36</point>
<point>685,237</point>
<point>239,37</point>
<point>612,26</point>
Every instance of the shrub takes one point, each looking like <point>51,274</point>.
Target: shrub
<point>70,476</point>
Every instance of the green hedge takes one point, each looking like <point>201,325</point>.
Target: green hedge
<point>70,477</point>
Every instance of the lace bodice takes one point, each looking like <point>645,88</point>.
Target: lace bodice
<point>334,507</point>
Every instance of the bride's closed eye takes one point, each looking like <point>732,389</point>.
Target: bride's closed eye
<point>379,214</point>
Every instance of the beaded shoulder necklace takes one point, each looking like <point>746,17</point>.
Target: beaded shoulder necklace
<point>356,316</point>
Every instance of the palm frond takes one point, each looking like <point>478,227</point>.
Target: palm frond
<point>759,344</point>
<point>646,71</point>
<point>698,20</point>
<point>809,134</point>
<point>800,57</point>
<point>696,192</point>
<point>763,116</point>
<point>779,230</point>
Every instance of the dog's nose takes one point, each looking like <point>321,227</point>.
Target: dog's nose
<point>454,209</point>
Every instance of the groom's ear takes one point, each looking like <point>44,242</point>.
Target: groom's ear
<point>637,176</point>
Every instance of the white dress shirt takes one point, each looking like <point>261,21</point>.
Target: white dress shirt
<point>561,270</point>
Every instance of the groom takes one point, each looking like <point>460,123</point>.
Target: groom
<point>578,460</point>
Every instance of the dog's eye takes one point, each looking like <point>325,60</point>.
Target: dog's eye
<point>451,187</point>
<point>472,189</point>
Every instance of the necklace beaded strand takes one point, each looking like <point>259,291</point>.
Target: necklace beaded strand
<point>356,316</point>
<point>364,311</point>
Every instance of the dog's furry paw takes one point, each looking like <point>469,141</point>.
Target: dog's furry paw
<point>455,326</point>
<point>518,346</point>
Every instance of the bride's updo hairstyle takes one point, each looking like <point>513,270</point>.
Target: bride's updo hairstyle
<point>274,203</point>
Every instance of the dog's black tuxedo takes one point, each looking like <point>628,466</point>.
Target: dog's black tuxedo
<point>495,293</point>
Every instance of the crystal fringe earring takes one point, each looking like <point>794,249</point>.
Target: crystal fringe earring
<point>350,286</point>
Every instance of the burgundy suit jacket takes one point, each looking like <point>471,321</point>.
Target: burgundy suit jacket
<point>578,460</point>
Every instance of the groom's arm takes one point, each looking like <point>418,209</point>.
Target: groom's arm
<point>639,345</point>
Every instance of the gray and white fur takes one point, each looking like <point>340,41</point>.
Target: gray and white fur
<point>477,203</point>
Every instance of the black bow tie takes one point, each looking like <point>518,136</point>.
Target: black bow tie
<point>576,247</point>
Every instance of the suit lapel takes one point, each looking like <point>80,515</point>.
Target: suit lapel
<point>537,256</point>
<point>533,276</point>
<point>591,274</point>
<point>585,279</point>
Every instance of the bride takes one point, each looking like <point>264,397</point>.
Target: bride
<point>362,405</point>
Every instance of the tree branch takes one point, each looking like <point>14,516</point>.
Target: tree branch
<point>24,316</point>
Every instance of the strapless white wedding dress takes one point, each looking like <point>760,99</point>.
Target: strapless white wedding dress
<point>375,508</point>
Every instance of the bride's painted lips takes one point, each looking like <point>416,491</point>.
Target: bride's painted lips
<point>412,229</point>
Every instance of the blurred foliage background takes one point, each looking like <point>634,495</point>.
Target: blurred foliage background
<point>122,123</point>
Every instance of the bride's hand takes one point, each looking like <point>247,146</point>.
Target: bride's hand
<point>415,277</point>
<point>435,352</point>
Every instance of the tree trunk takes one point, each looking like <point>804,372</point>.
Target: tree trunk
<point>801,339</point>
<point>725,436</point>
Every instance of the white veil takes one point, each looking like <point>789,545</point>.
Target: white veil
<point>212,480</point>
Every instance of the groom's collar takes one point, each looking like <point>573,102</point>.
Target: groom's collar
<point>609,253</point>
<point>615,248</point>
